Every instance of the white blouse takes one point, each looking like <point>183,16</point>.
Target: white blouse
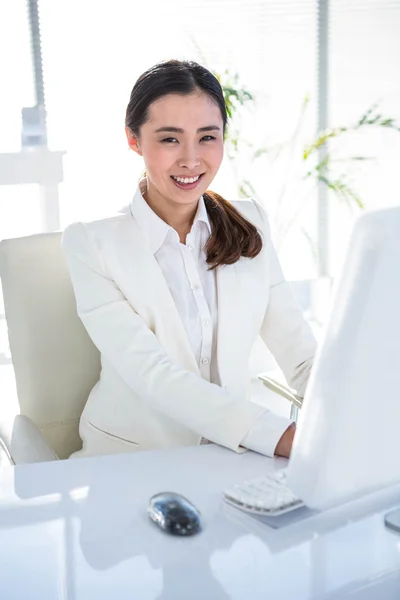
<point>192,285</point>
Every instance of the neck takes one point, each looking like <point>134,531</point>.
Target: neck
<point>179,216</point>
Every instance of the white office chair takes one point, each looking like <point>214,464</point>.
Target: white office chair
<point>55,362</point>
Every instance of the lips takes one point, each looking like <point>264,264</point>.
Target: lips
<point>187,186</point>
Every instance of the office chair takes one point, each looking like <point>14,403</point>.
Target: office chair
<point>55,362</point>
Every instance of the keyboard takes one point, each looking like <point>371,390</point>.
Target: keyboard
<point>265,495</point>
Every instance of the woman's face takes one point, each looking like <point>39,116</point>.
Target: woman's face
<point>181,140</point>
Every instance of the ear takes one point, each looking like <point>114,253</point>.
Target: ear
<point>133,141</point>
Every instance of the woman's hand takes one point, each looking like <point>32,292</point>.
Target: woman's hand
<point>284,446</point>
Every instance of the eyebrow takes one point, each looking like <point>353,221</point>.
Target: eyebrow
<point>179,130</point>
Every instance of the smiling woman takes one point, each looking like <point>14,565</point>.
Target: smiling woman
<point>176,119</point>
<point>169,295</point>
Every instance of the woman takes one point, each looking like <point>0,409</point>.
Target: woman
<point>175,290</point>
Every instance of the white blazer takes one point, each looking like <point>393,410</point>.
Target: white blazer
<point>150,394</point>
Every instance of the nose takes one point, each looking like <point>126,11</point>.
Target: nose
<point>189,158</point>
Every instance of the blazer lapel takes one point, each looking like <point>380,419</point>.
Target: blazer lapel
<point>139,276</point>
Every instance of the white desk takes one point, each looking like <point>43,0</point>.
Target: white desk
<point>78,530</point>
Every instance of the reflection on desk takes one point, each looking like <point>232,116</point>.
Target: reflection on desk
<point>78,529</point>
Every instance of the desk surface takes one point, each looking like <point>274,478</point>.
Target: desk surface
<point>78,530</point>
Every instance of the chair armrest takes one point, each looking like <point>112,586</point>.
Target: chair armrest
<point>5,457</point>
<point>21,442</point>
<point>281,389</point>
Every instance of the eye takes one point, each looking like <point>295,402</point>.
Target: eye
<point>207,138</point>
<point>169,140</point>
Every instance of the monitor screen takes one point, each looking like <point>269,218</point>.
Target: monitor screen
<point>348,438</point>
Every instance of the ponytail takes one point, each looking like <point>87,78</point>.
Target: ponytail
<point>232,236</point>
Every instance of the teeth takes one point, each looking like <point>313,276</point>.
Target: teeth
<point>186,179</point>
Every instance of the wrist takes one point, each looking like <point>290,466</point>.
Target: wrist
<point>284,446</point>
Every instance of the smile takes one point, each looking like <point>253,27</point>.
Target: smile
<point>186,183</point>
<point>186,179</point>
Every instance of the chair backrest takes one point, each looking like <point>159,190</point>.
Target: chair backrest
<point>55,362</point>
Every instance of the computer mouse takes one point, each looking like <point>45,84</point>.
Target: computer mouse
<point>174,514</point>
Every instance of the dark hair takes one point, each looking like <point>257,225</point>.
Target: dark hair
<point>232,236</point>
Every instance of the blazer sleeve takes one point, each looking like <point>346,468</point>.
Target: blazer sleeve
<point>284,329</point>
<point>124,339</point>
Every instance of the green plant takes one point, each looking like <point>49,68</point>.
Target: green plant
<point>371,118</point>
<point>301,166</point>
<point>235,96</point>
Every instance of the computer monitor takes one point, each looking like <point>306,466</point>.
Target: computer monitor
<point>348,438</point>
